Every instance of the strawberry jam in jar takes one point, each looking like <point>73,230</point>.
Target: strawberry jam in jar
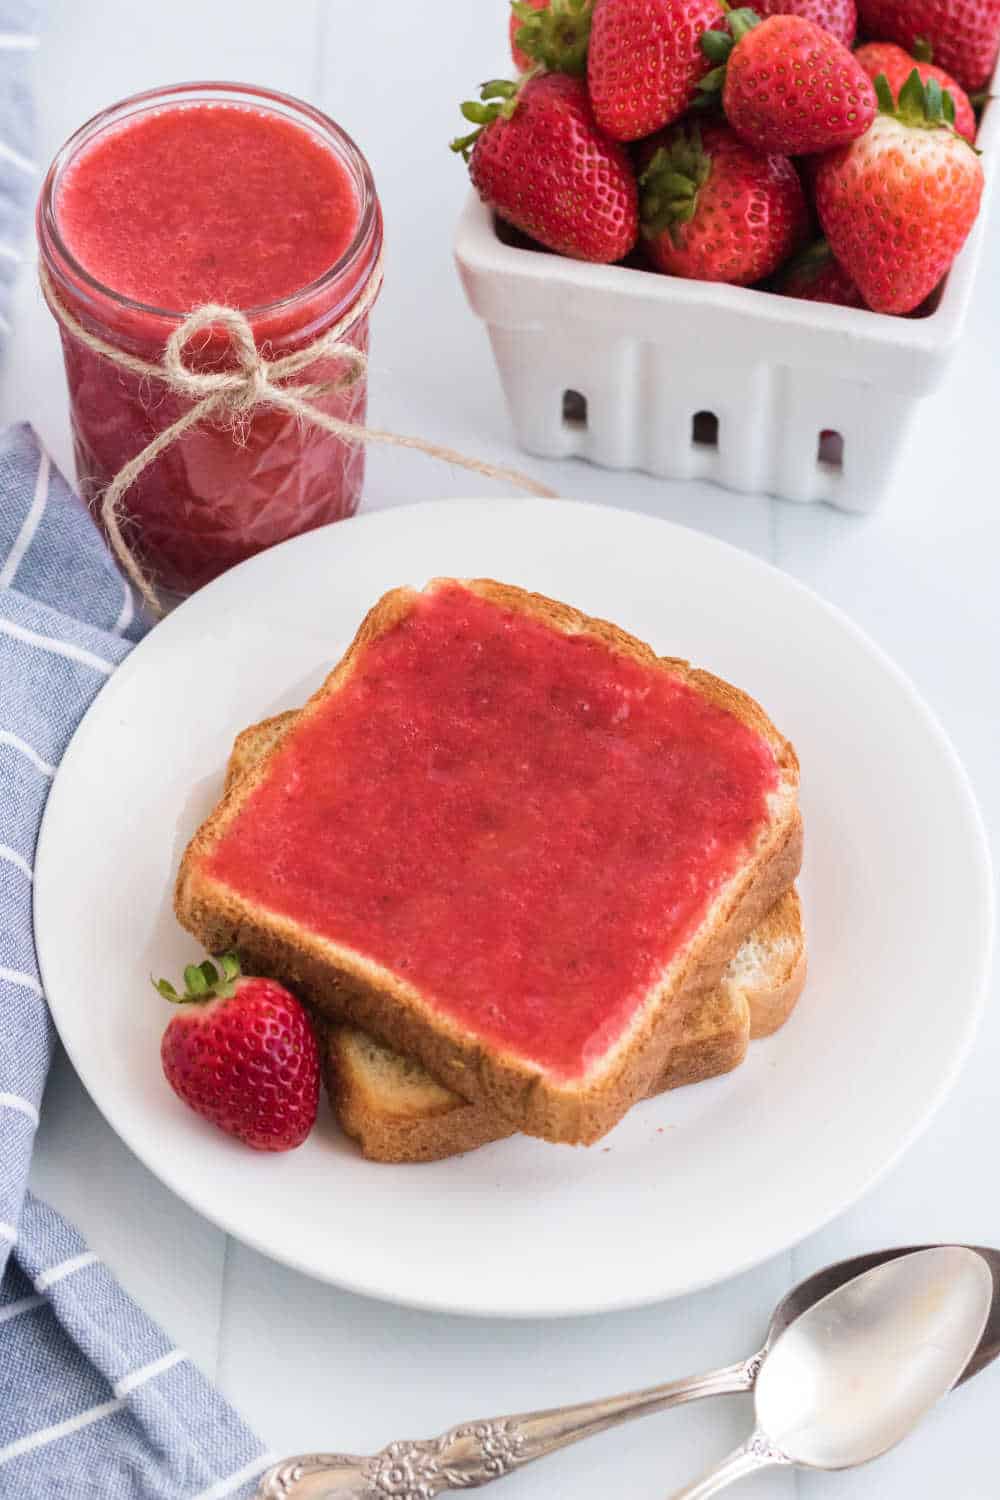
<point>211,194</point>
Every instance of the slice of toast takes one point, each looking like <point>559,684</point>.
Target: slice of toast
<point>397,1113</point>
<point>454,669</point>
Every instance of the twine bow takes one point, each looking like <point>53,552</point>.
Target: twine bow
<point>232,395</point>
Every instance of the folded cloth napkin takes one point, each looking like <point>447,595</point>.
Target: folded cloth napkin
<point>94,1399</point>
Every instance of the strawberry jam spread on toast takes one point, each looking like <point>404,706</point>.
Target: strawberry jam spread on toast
<point>524,825</point>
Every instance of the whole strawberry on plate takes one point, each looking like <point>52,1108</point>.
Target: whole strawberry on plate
<point>539,159</point>
<point>787,84</point>
<point>242,1053</point>
<point>840,17</point>
<point>960,35</point>
<point>714,209</point>
<point>897,206</point>
<point>552,33</point>
<point>897,65</point>
<point>816,275</point>
<point>645,64</point>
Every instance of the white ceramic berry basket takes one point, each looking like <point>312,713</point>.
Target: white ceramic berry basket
<point>693,380</point>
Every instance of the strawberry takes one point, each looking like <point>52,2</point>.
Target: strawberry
<point>553,33</point>
<point>714,209</point>
<point>898,204</point>
<point>897,65</point>
<point>960,35</point>
<point>242,1054</point>
<point>788,85</point>
<point>839,17</point>
<point>539,159</point>
<point>645,62</point>
<point>817,276</point>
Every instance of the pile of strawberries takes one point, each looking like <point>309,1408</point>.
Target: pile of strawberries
<point>747,146</point>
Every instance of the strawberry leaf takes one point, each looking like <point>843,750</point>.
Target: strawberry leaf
<point>202,981</point>
<point>499,98</point>
<point>713,81</point>
<point>922,105</point>
<point>195,980</point>
<point>886,102</point>
<point>480,114</point>
<point>463,144</point>
<point>498,88</point>
<point>716,46</point>
<point>741,21</point>
<point>557,37</point>
<point>670,184</point>
<point>808,264</point>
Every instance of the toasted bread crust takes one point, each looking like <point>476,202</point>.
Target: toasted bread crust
<point>250,746</point>
<point>449,1129</point>
<point>342,983</point>
<point>772,1004</point>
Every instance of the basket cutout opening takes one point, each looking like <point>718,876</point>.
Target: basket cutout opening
<point>574,410</point>
<point>830,450</point>
<point>705,429</point>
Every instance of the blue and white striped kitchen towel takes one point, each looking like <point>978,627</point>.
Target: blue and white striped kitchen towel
<point>94,1400</point>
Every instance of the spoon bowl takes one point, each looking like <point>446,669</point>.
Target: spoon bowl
<point>821,1283</point>
<point>855,1373</point>
<point>858,1370</point>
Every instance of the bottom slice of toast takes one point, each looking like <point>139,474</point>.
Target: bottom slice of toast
<point>398,1113</point>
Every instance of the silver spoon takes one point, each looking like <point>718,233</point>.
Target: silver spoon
<point>478,1452</point>
<point>853,1376</point>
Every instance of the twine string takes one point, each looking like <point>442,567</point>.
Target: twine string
<point>232,395</point>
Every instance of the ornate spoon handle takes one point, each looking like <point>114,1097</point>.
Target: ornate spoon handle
<point>758,1452</point>
<point>476,1453</point>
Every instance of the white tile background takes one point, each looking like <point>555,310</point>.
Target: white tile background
<point>310,1366</point>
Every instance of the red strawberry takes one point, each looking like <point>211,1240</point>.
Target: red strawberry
<point>645,62</point>
<point>961,35</point>
<point>817,276</point>
<point>540,161</point>
<point>554,33</point>
<point>242,1054</point>
<point>839,17</point>
<point>714,209</point>
<point>897,65</point>
<point>898,205</point>
<point>788,85</point>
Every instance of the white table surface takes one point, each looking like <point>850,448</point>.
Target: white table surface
<point>310,1366</point>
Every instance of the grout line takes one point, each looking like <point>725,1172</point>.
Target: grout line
<point>773,536</point>
<point>794,1277</point>
<point>319,66</point>
<point>223,1319</point>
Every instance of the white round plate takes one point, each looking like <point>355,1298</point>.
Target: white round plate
<point>691,1187</point>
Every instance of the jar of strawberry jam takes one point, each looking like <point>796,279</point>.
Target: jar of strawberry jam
<point>223,194</point>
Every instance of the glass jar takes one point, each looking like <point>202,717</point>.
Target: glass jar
<point>217,494</point>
